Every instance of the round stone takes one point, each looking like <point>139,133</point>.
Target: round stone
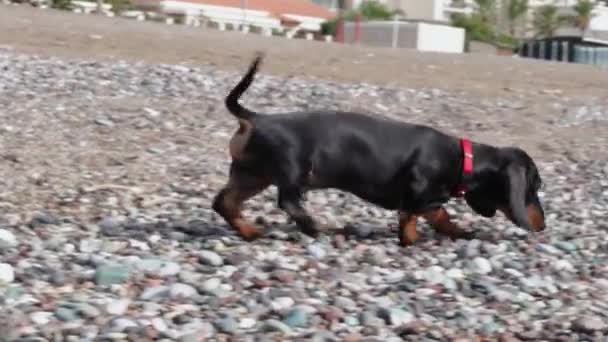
<point>182,291</point>
<point>481,265</point>
<point>7,274</point>
<point>118,307</point>
<point>7,239</point>
<point>211,258</point>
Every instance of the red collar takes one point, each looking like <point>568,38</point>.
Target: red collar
<point>467,165</point>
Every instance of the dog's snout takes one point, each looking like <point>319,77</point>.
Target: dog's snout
<point>536,218</point>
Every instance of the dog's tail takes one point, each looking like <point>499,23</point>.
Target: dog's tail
<point>241,138</point>
<point>232,100</point>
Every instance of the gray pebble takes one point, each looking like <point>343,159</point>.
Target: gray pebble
<point>395,316</point>
<point>589,324</point>
<point>182,291</point>
<point>316,250</point>
<point>211,258</point>
<point>272,325</point>
<point>88,310</point>
<point>121,324</point>
<point>296,317</point>
<point>345,303</point>
<point>155,293</point>
<point>65,314</point>
<point>110,226</point>
<point>227,325</point>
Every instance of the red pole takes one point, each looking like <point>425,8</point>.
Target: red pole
<point>340,30</point>
<point>357,28</point>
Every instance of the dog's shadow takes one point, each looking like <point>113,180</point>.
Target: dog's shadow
<point>202,230</point>
<point>170,228</point>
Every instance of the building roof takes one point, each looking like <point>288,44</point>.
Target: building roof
<point>275,7</point>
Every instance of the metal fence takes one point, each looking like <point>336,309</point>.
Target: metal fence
<point>382,34</point>
<point>566,49</point>
<point>587,55</point>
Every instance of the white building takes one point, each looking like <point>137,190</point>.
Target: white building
<point>441,10</point>
<point>599,22</point>
<point>266,15</point>
<point>410,35</point>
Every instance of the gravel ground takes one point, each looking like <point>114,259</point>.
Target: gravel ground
<point>108,167</point>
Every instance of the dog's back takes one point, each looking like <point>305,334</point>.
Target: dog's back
<point>340,149</point>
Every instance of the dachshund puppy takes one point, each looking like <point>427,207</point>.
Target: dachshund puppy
<point>412,169</point>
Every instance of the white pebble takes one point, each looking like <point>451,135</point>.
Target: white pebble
<point>7,274</point>
<point>41,317</point>
<point>455,273</point>
<point>247,323</point>
<point>159,324</point>
<point>69,248</point>
<point>211,258</point>
<point>226,287</point>
<point>118,307</point>
<point>182,291</point>
<point>563,265</point>
<point>154,238</point>
<point>282,303</point>
<point>139,245</point>
<point>481,265</point>
<point>211,284</point>
<point>227,271</point>
<point>169,269</point>
<point>7,239</point>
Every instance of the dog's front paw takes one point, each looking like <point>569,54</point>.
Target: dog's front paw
<point>249,232</point>
<point>313,232</point>
<point>468,235</point>
<point>407,237</point>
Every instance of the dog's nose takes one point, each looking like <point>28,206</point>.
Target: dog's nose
<point>540,227</point>
<point>536,218</point>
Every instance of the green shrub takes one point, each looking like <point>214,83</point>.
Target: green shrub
<point>62,4</point>
<point>373,10</point>
<point>119,6</point>
<point>504,40</point>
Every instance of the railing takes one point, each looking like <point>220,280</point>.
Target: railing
<point>573,50</point>
<point>588,55</point>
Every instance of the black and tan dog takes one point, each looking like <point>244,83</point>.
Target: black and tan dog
<point>412,169</point>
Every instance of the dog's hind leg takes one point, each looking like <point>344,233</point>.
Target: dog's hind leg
<point>407,228</point>
<point>229,201</point>
<point>440,221</point>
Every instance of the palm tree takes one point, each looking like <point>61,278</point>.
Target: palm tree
<point>583,10</point>
<point>515,9</point>
<point>547,21</point>
<point>486,9</point>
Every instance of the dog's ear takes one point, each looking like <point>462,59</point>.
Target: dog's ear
<point>517,187</point>
<point>481,202</point>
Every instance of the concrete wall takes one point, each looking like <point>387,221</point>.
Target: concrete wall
<point>380,34</point>
<point>440,38</point>
<point>421,36</point>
